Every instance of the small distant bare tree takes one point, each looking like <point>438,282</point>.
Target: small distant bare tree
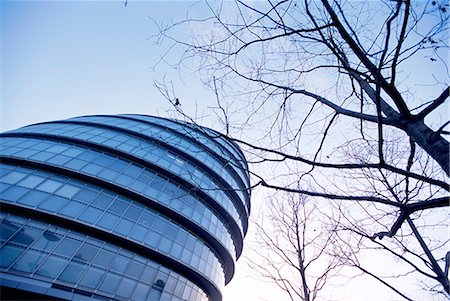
<point>292,247</point>
<point>345,99</point>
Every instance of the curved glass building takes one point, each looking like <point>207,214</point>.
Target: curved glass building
<point>126,207</point>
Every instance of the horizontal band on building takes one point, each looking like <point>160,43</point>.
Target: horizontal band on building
<point>167,261</point>
<point>235,231</point>
<point>216,246</point>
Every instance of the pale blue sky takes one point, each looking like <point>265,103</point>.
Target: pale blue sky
<point>62,59</point>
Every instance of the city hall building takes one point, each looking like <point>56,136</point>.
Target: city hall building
<point>123,207</point>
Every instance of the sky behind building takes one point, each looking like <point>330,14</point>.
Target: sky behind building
<point>63,59</point>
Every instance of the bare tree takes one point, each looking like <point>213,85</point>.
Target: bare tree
<point>293,246</point>
<point>345,100</point>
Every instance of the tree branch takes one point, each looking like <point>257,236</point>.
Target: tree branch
<point>436,103</point>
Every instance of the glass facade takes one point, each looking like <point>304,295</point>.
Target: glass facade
<point>125,207</point>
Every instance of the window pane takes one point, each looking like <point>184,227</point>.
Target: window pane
<point>139,233</point>
<point>133,212</point>
<point>25,236</point>
<point>86,253</point>
<point>49,186</point>
<point>57,149</point>
<point>102,200</point>
<point>13,177</point>
<point>92,278</point>
<point>90,215</point>
<point>110,283</point>
<point>8,254</point>
<point>124,227</point>
<point>107,221</point>
<point>134,269</point>
<point>72,209</point>
<point>47,241</point>
<point>118,207</point>
<point>86,195</point>
<point>120,263</point>
<point>14,193</point>
<point>29,261</point>
<point>72,272</point>
<point>7,230</point>
<point>68,191</point>
<point>126,288</point>
<point>54,203</point>
<point>141,291</point>
<point>31,181</point>
<point>33,198</point>
<point>104,258</point>
<point>67,247</point>
<point>51,267</point>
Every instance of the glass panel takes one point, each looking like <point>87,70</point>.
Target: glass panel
<point>110,283</point>
<point>76,164</point>
<point>102,200</point>
<point>140,292</point>
<point>86,195</point>
<point>124,180</point>
<point>8,254</point>
<point>31,181</point>
<point>59,160</point>
<point>149,274</point>
<point>155,294</point>
<point>7,230</point>
<point>13,177</point>
<point>165,245</point>
<point>47,241</point>
<point>92,278</point>
<point>25,236</point>
<point>72,152</point>
<point>134,269</point>
<point>107,221</point>
<point>72,209</point>
<point>67,247</point>
<point>72,272</point>
<point>49,186</point>
<point>14,193</point>
<point>68,191</point>
<point>51,267</point>
<point>92,169</point>
<point>152,239</point>
<point>90,215</point>
<point>118,207</point>
<point>33,198</point>
<point>139,233</point>
<point>86,253</point>
<point>118,165</point>
<point>177,250</point>
<point>104,258</point>
<point>108,174</point>
<point>124,227</point>
<point>57,149</point>
<point>88,156</point>
<point>160,224</point>
<point>133,212</point>
<point>147,218</point>
<point>126,288</point>
<point>43,156</point>
<point>29,261</point>
<point>53,203</point>
<point>120,263</point>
